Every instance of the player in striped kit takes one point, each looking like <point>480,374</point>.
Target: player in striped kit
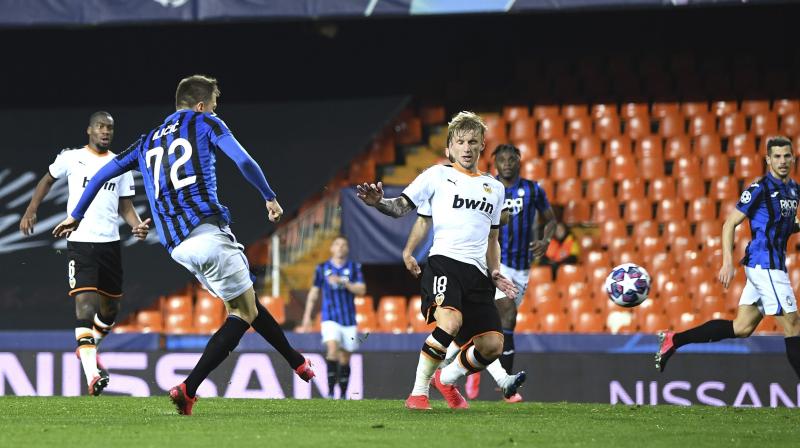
<point>177,162</point>
<point>770,203</point>
<point>94,269</point>
<point>338,280</point>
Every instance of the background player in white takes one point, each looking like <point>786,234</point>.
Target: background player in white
<point>94,267</point>
<point>770,203</point>
<point>464,266</point>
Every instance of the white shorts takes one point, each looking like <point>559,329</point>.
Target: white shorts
<point>346,336</point>
<point>770,290</point>
<point>212,254</point>
<point>520,279</point>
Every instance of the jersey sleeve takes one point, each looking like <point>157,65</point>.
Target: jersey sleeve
<point>540,198</point>
<point>216,128</point>
<point>421,189</point>
<point>498,207</point>
<point>750,198</point>
<point>356,276</point>
<point>60,167</point>
<point>129,159</point>
<point>127,188</point>
<point>424,209</point>
<point>319,279</point>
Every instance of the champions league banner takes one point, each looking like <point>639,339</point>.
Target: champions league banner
<point>34,274</point>
<point>754,380</point>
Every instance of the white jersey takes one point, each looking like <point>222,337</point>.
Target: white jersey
<point>464,207</point>
<point>99,225</point>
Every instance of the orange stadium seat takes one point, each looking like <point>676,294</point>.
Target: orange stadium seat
<point>619,146</point>
<point>707,229</point>
<point>569,190</point>
<point>408,131</point>
<point>588,146</point>
<point>637,127</point>
<point>547,186</point>
<point>672,125</point>
<point>415,317</point>
<point>177,303</point>
<point>785,106</point>
<point>605,210</point>
<point>707,144</point>
<point>546,110</point>
<point>722,108</point>
<point>563,168</point>
<point>702,124</point>
<point>600,110</point>
<point>644,228</point>
<point>650,146</point>
<point>149,321</point>
<point>393,314</point>
<point>516,112</point>
<point>596,258</point>
<point>652,245</point>
<point>366,322</point>
<point>686,166</point>
<point>670,210</point>
<point>725,188</point>
<point>690,188</point>
<point>597,189</point>
<point>693,108</point>
<point>364,303</point>
<point>631,188</point>
<point>526,323</point>
<point>578,127</point>
<point>594,168</point>
<point>732,124</point>
<point>553,323</point>
<point>588,322</point>
<point>607,126</point>
<point>749,166</point>
<point>790,124</point>
<point>583,304</point>
<point>677,146</point>
<point>577,290</point>
<point>276,306</point>
<point>622,167</point>
<point>432,115</point>
<point>527,148</point>
<point>495,128</point>
<point>715,166</point>
<point>741,144</point>
<point>653,323</point>
<point>572,111</point>
<point>209,313</point>
<point>752,107</point>
<point>551,127</point>
<point>558,148</point>
<point>765,124</point>
<point>629,110</point>
<point>638,210</point>
<point>676,304</point>
<point>522,129</point>
<point>662,109</point>
<point>568,273</point>
<point>544,305</point>
<point>661,188</point>
<point>609,230</point>
<point>540,275</point>
<point>576,212</point>
<point>178,323</point>
<point>534,169</point>
<point>651,168</point>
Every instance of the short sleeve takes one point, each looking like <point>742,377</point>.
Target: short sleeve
<point>356,276</point>
<point>540,198</point>
<point>424,209</point>
<point>60,167</point>
<point>216,128</point>
<point>127,188</point>
<point>421,189</point>
<point>750,198</point>
<point>319,278</point>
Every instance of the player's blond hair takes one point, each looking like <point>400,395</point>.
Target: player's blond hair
<point>466,121</point>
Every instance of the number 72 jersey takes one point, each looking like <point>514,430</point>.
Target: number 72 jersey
<point>177,161</point>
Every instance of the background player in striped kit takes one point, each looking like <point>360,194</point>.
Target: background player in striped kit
<point>177,162</point>
<point>770,203</point>
<point>524,201</point>
<point>338,280</point>
<point>95,267</point>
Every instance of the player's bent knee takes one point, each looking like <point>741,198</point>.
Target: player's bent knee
<point>448,320</point>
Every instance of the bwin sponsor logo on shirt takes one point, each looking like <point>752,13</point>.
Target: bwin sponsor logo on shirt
<point>481,205</point>
<point>788,207</point>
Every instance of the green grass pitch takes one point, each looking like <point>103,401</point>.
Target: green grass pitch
<point>152,422</point>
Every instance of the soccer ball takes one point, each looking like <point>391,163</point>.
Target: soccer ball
<point>628,285</point>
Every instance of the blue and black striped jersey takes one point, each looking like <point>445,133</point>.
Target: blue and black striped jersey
<point>177,161</point>
<point>523,200</point>
<point>771,207</point>
<point>337,302</point>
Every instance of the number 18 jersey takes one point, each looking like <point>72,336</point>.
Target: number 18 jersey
<point>177,161</point>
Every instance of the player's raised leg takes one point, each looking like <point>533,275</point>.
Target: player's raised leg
<point>473,357</point>
<point>266,326</point>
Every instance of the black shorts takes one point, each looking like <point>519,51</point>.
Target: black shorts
<point>462,286</point>
<point>94,267</point>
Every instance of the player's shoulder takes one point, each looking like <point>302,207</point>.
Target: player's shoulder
<point>492,181</point>
<point>213,120</point>
<point>757,184</point>
<point>69,151</point>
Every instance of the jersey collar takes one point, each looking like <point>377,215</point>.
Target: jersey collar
<point>461,169</point>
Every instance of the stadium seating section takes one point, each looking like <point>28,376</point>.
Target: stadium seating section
<point>643,182</point>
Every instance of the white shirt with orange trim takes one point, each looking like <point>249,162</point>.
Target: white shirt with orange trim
<point>99,225</point>
<point>464,207</point>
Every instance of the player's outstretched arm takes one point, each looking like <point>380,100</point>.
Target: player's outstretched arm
<point>372,195</point>
<point>420,230</point>
<point>727,270</point>
<point>29,218</point>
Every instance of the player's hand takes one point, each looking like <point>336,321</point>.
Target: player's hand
<point>141,230</point>
<point>371,194</point>
<point>275,210</point>
<point>27,222</point>
<point>505,285</point>
<point>726,274</point>
<point>538,248</point>
<point>411,264</point>
<point>65,227</point>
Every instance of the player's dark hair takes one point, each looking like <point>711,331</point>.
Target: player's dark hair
<point>778,142</point>
<point>195,89</point>
<point>506,148</point>
<point>97,115</point>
